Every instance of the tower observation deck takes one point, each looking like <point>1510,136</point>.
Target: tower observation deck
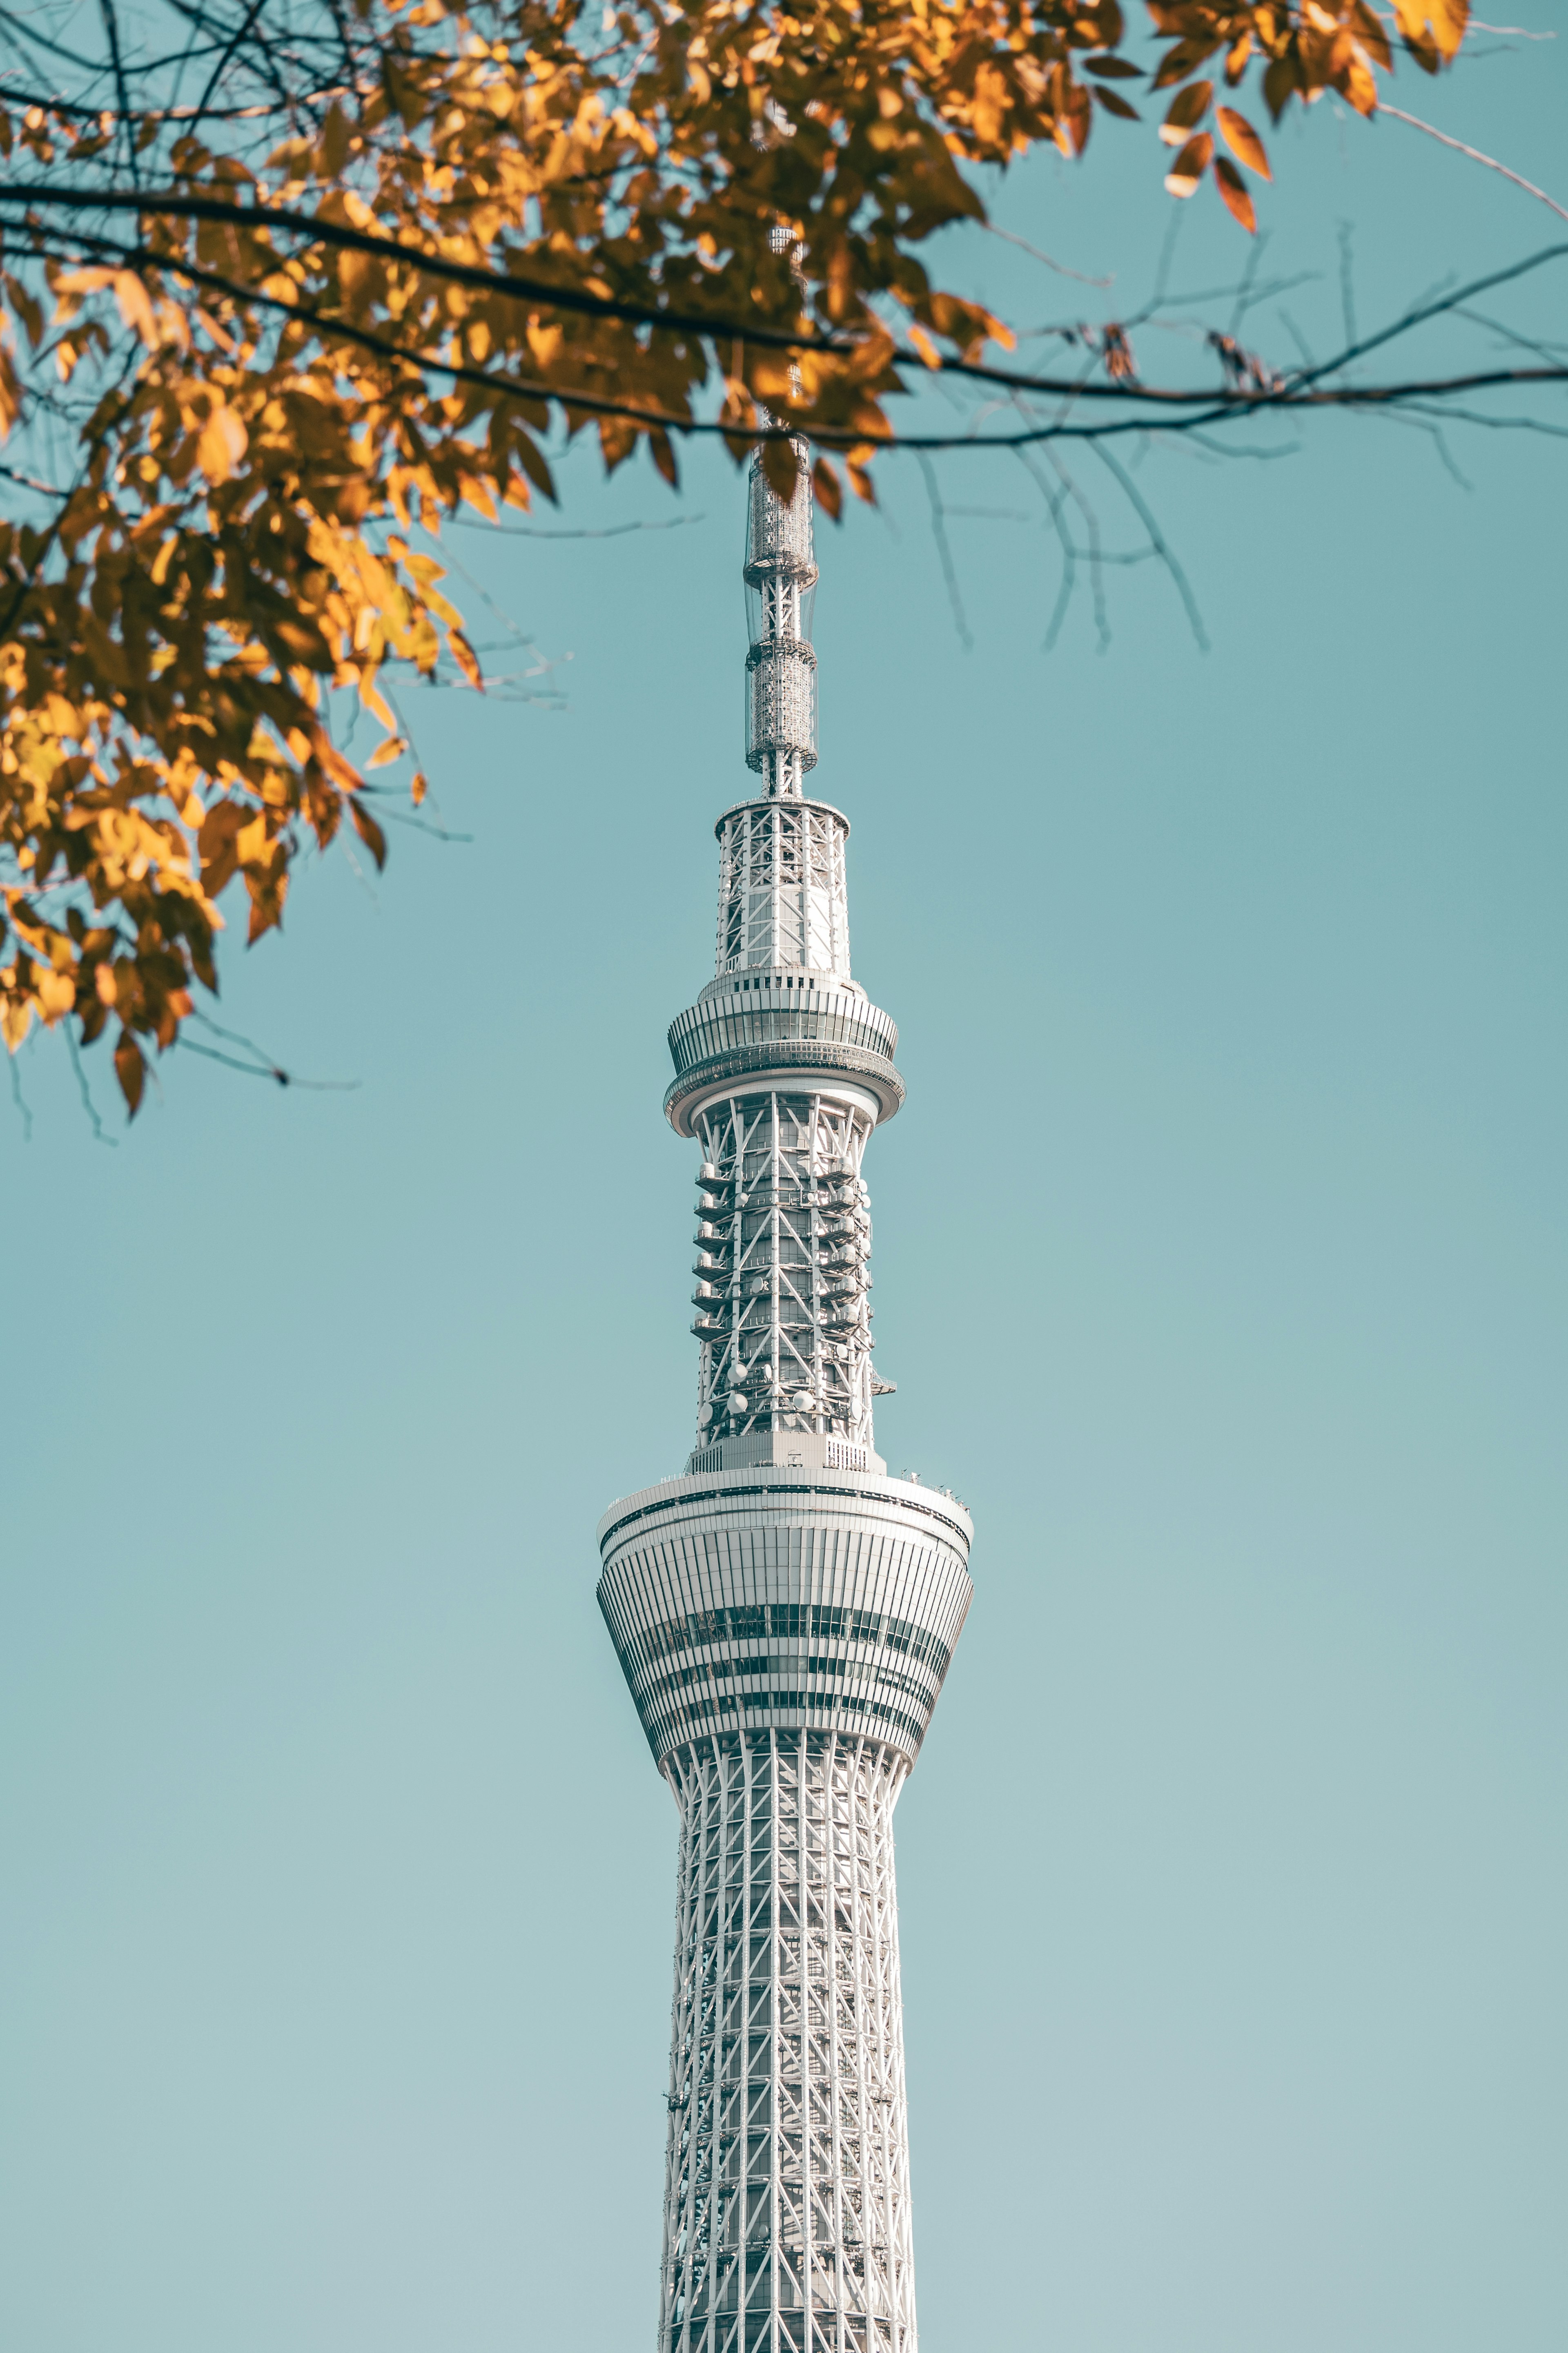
<point>785,1611</point>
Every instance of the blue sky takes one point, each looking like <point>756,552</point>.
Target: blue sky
<point>1220,1261</point>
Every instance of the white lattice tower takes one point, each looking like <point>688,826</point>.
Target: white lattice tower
<point>784,1612</point>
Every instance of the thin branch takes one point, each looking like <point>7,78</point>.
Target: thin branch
<point>944,554</point>
<point>87,1102</point>
<point>1158,542</point>
<point>262,1065</point>
<point>17,1099</point>
<point>1035,255</point>
<point>1295,392</point>
<point>614,531</point>
<point>1476,157</point>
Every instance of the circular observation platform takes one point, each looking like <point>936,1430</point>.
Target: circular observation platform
<point>819,1036</point>
<point>745,1601</point>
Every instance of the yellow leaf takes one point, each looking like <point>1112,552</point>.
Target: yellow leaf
<point>1446,18</point>
<point>221,445</point>
<point>926,348</point>
<point>384,754</point>
<point>1243,140</point>
<point>56,993</point>
<point>135,305</point>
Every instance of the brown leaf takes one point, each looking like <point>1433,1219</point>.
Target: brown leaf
<point>130,1071</point>
<point>1115,104</point>
<point>829,491</point>
<point>1190,165</point>
<point>1187,107</point>
<point>1370,35</point>
<point>1243,140</point>
<point>1232,188</point>
<point>369,832</point>
<point>217,843</point>
<point>782,468</point>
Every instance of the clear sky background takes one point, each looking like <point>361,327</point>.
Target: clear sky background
<point>1220,1261</point>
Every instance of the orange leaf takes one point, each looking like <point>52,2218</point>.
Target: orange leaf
<point>1232,188</point>
<point>467,659</point>
<point>1243,140</point>
<point>1190,165</point>
<point>826,483</point>
<point>392,749</point>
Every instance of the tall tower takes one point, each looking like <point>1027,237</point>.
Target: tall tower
<point>785,1611</point>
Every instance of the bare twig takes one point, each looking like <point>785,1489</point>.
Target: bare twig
<point>261,1065</point>
<point>1035,255</point>
<point>1476,157</point>
<point>87,1102</point>
<point>944,554</point>
<point>16,1098</point>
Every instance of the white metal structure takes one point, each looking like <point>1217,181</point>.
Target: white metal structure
<point>784,1612</point>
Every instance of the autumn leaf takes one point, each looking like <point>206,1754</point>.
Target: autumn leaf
<point>131,1070</point>
<point>1187,107</point>
<point>1443,22</point>
<point>1243,140</point>
<point>1182,178</point>
<point>360,290</point>
<point>1232,188</point>
<point>781,467</point>
<point>369,832</point>
<point>222,443</point>
<point>830,492</point>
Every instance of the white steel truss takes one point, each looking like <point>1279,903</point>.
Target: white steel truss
<point>786,2222</point>
<point>783,901</point>
<point>784,1244</point>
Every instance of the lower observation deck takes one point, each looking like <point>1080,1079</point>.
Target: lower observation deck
<point>768,1597</point>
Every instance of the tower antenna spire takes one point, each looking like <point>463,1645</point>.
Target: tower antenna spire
<point>781,583</point>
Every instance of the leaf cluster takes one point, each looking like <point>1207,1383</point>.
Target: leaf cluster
<point>276,331</point>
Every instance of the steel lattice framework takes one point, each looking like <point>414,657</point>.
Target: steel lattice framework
<point>784,1612</point>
